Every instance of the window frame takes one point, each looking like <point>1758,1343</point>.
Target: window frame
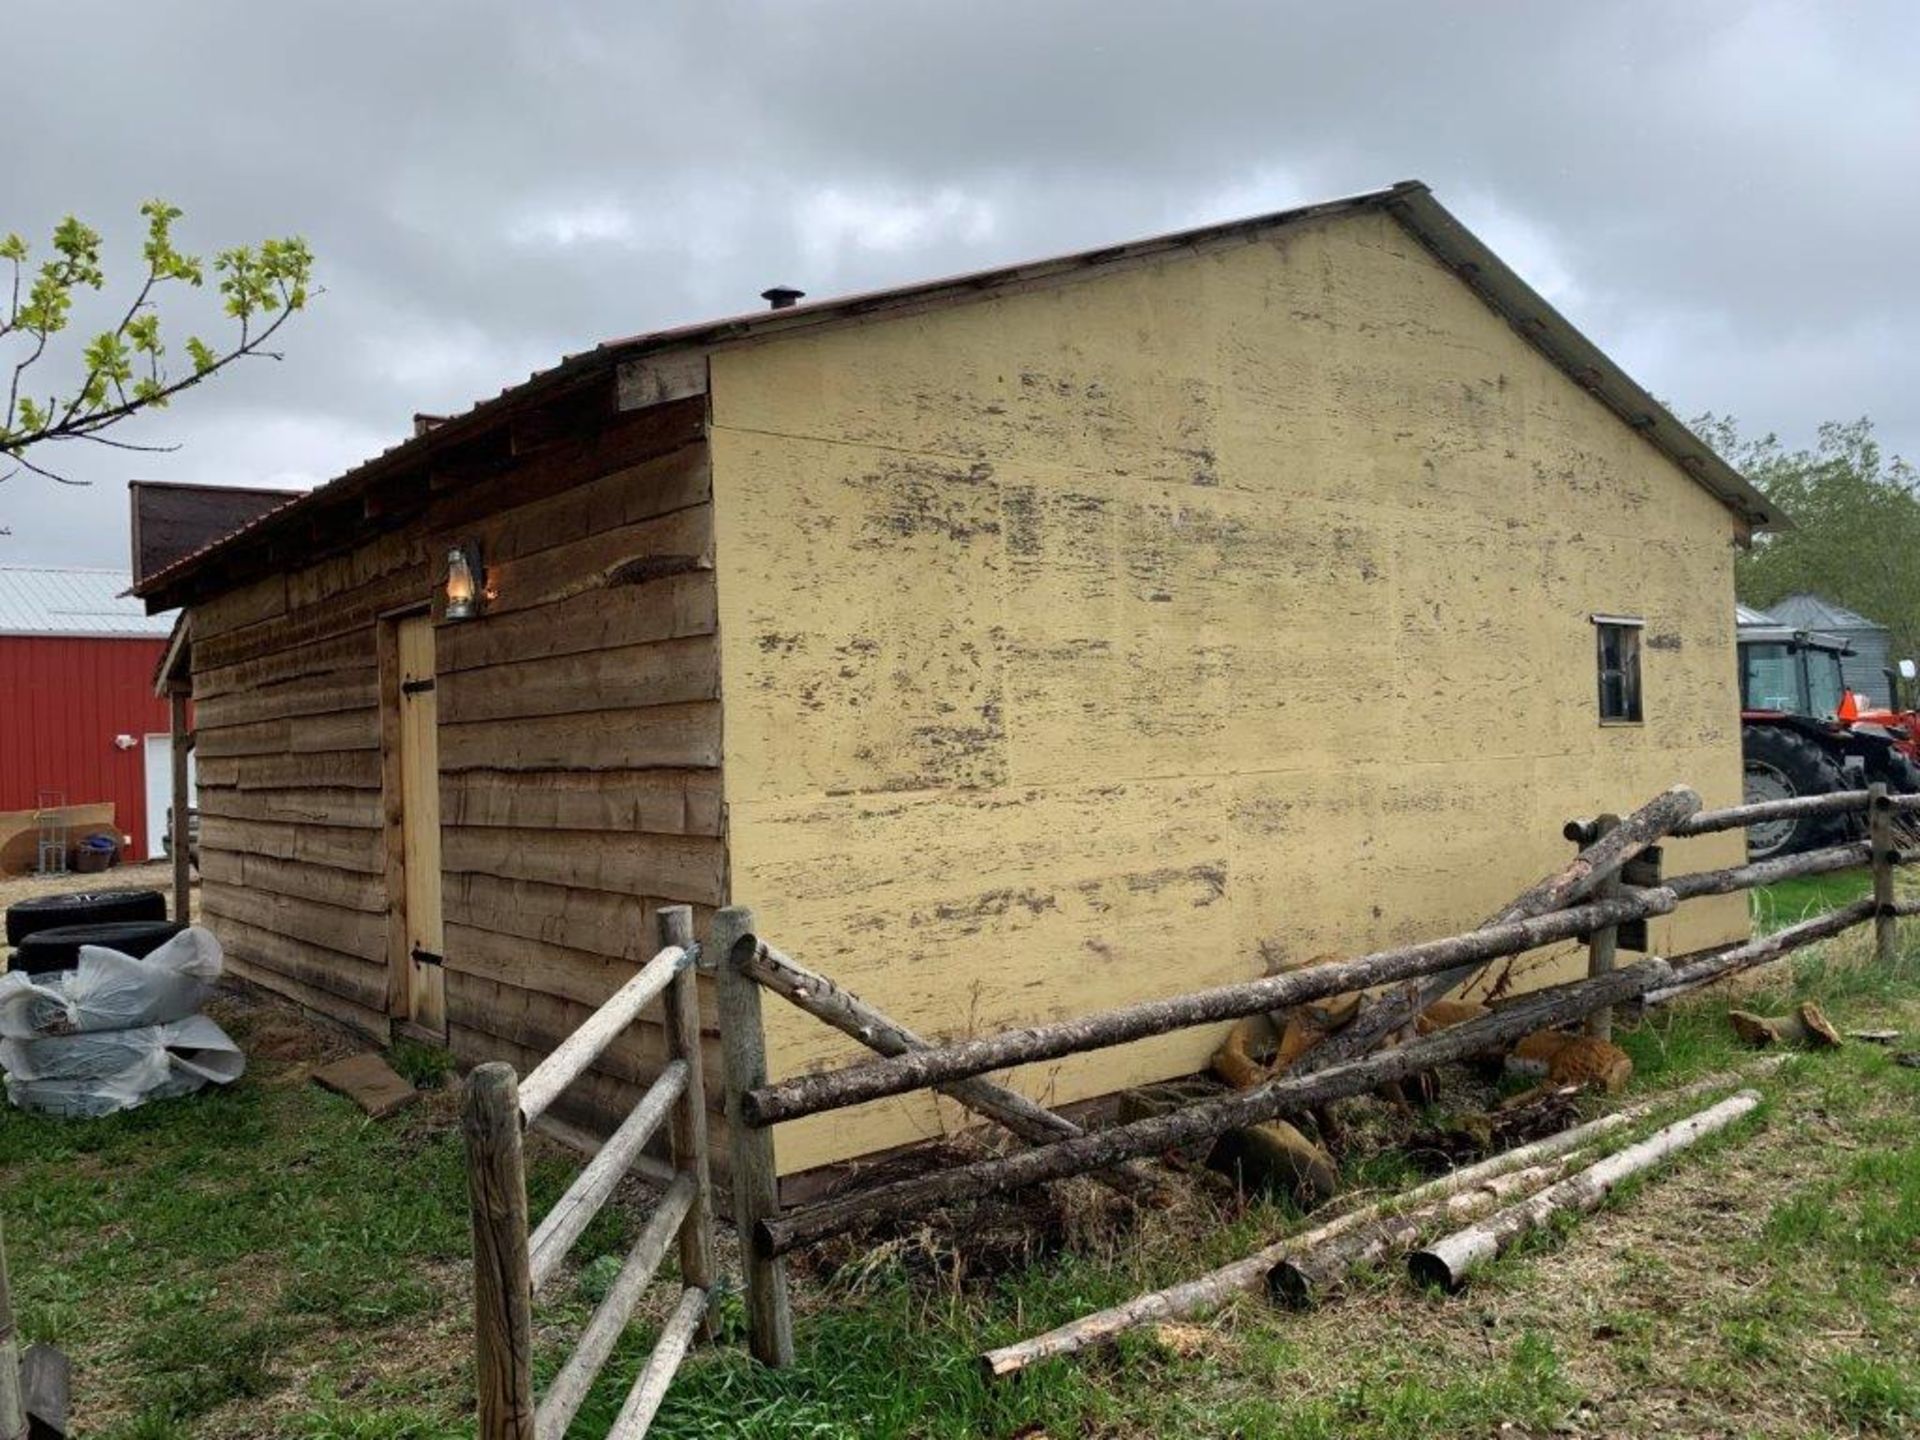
<point>1629,674</point>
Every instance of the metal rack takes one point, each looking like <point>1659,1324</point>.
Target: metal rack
<point>50,816</point>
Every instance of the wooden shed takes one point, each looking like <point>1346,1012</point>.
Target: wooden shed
<point>1016,645</point>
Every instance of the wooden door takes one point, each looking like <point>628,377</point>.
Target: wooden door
<point>419,765</point>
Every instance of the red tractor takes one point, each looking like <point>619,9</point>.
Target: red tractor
<point>1802,732</point>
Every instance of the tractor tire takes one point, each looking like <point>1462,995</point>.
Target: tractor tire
<point>1781,764</point>
<point>1899,774</point>
<point>87,907</point>
<point>46,951</point>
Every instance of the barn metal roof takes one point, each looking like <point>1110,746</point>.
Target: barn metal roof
<point>72,601</point>
<point>1811,612</point>
<point>1410,202</point>
<point>1758,625</point>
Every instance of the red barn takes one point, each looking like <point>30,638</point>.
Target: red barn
<point>78,716</point>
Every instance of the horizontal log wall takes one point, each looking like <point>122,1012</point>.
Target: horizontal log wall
<point>579,750</point>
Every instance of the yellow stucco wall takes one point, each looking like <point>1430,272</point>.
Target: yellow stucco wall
<point>1174,625</point>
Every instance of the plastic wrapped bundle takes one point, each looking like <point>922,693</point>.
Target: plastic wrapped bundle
<point>116,1031</point>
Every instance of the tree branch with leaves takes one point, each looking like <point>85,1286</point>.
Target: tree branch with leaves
<point>125,369</point>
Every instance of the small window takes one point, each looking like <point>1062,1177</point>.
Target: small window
<point>1617,643</point>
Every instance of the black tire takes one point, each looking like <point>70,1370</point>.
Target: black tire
<point>1896,771</point>
<point>87,907</point>
<point>45,951</point>
<point>1781,763</point>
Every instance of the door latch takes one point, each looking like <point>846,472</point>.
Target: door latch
<point>426,957</point>
<point>416,687</point>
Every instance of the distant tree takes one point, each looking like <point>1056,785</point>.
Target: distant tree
<point>123,370</point>
<point>1856,519</point>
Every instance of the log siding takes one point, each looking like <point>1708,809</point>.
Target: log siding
<point>579,752</point>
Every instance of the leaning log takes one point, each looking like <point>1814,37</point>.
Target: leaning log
<point>1767,948</point>
<point>802,1095</point>
<point>1288,1094</point>
<point>849,1014</point>
<point>1399,1008</point>
<point>1450,1261</point>
<point>1218,1286</point>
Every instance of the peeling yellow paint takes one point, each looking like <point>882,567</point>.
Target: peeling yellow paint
<point>1169,626</point>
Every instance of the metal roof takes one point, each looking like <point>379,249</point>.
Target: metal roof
<point>67,600</point>
<point>1758,625</point>
<point>1410,203</point>
<point>1811,612</point>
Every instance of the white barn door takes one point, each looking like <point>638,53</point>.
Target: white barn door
<point>159,765</point>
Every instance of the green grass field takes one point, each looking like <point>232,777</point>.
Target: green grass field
<point>263,1261</point>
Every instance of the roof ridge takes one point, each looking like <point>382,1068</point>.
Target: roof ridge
<point>1411,203</point>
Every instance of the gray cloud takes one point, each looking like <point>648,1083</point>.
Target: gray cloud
<point>1719,193</point>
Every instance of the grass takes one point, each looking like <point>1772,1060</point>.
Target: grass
<point>262,1261</point>
<point>1791,901</point>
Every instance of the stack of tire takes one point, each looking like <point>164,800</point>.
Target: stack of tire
<point>46,932</point>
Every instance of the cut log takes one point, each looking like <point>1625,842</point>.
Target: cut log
<point>1218,1286</point>
<point>1807,1027</point>
<point>1277,1158</point>
<point>920,1069</point>
<point>1307,1276</point>
<point>1450,1261</point>
<point>851,1015</point>
<point>1578,1060</point>
<point>1287,1095</point>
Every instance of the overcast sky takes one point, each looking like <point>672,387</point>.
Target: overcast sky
<point>1725,196</point>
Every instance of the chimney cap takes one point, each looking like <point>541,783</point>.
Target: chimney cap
<point>780,297</point>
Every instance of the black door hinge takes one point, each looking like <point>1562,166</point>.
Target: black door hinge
<point>426,957</point>
<point>416,687</point>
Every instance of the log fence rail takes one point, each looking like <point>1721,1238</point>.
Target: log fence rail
<point>1588,900</point>
<point>1611,883</point>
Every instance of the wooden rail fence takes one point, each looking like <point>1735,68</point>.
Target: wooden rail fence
<point>1612,882</point>
<point>512,1260</point>
<point>1597,893</point>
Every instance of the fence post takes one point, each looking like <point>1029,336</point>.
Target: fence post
<point>178,820</point>
<point>13,1413</point>
<point>502,1286</point>
<point>1880,833</point>
<point>688,1126</point>
<point>1603,943</point>
<point>756,1184</point>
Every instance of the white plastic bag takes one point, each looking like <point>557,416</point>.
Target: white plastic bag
<point>115,1032</point>
<point>111,991</point>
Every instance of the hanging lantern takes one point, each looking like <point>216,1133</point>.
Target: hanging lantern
<point>463,581</point>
